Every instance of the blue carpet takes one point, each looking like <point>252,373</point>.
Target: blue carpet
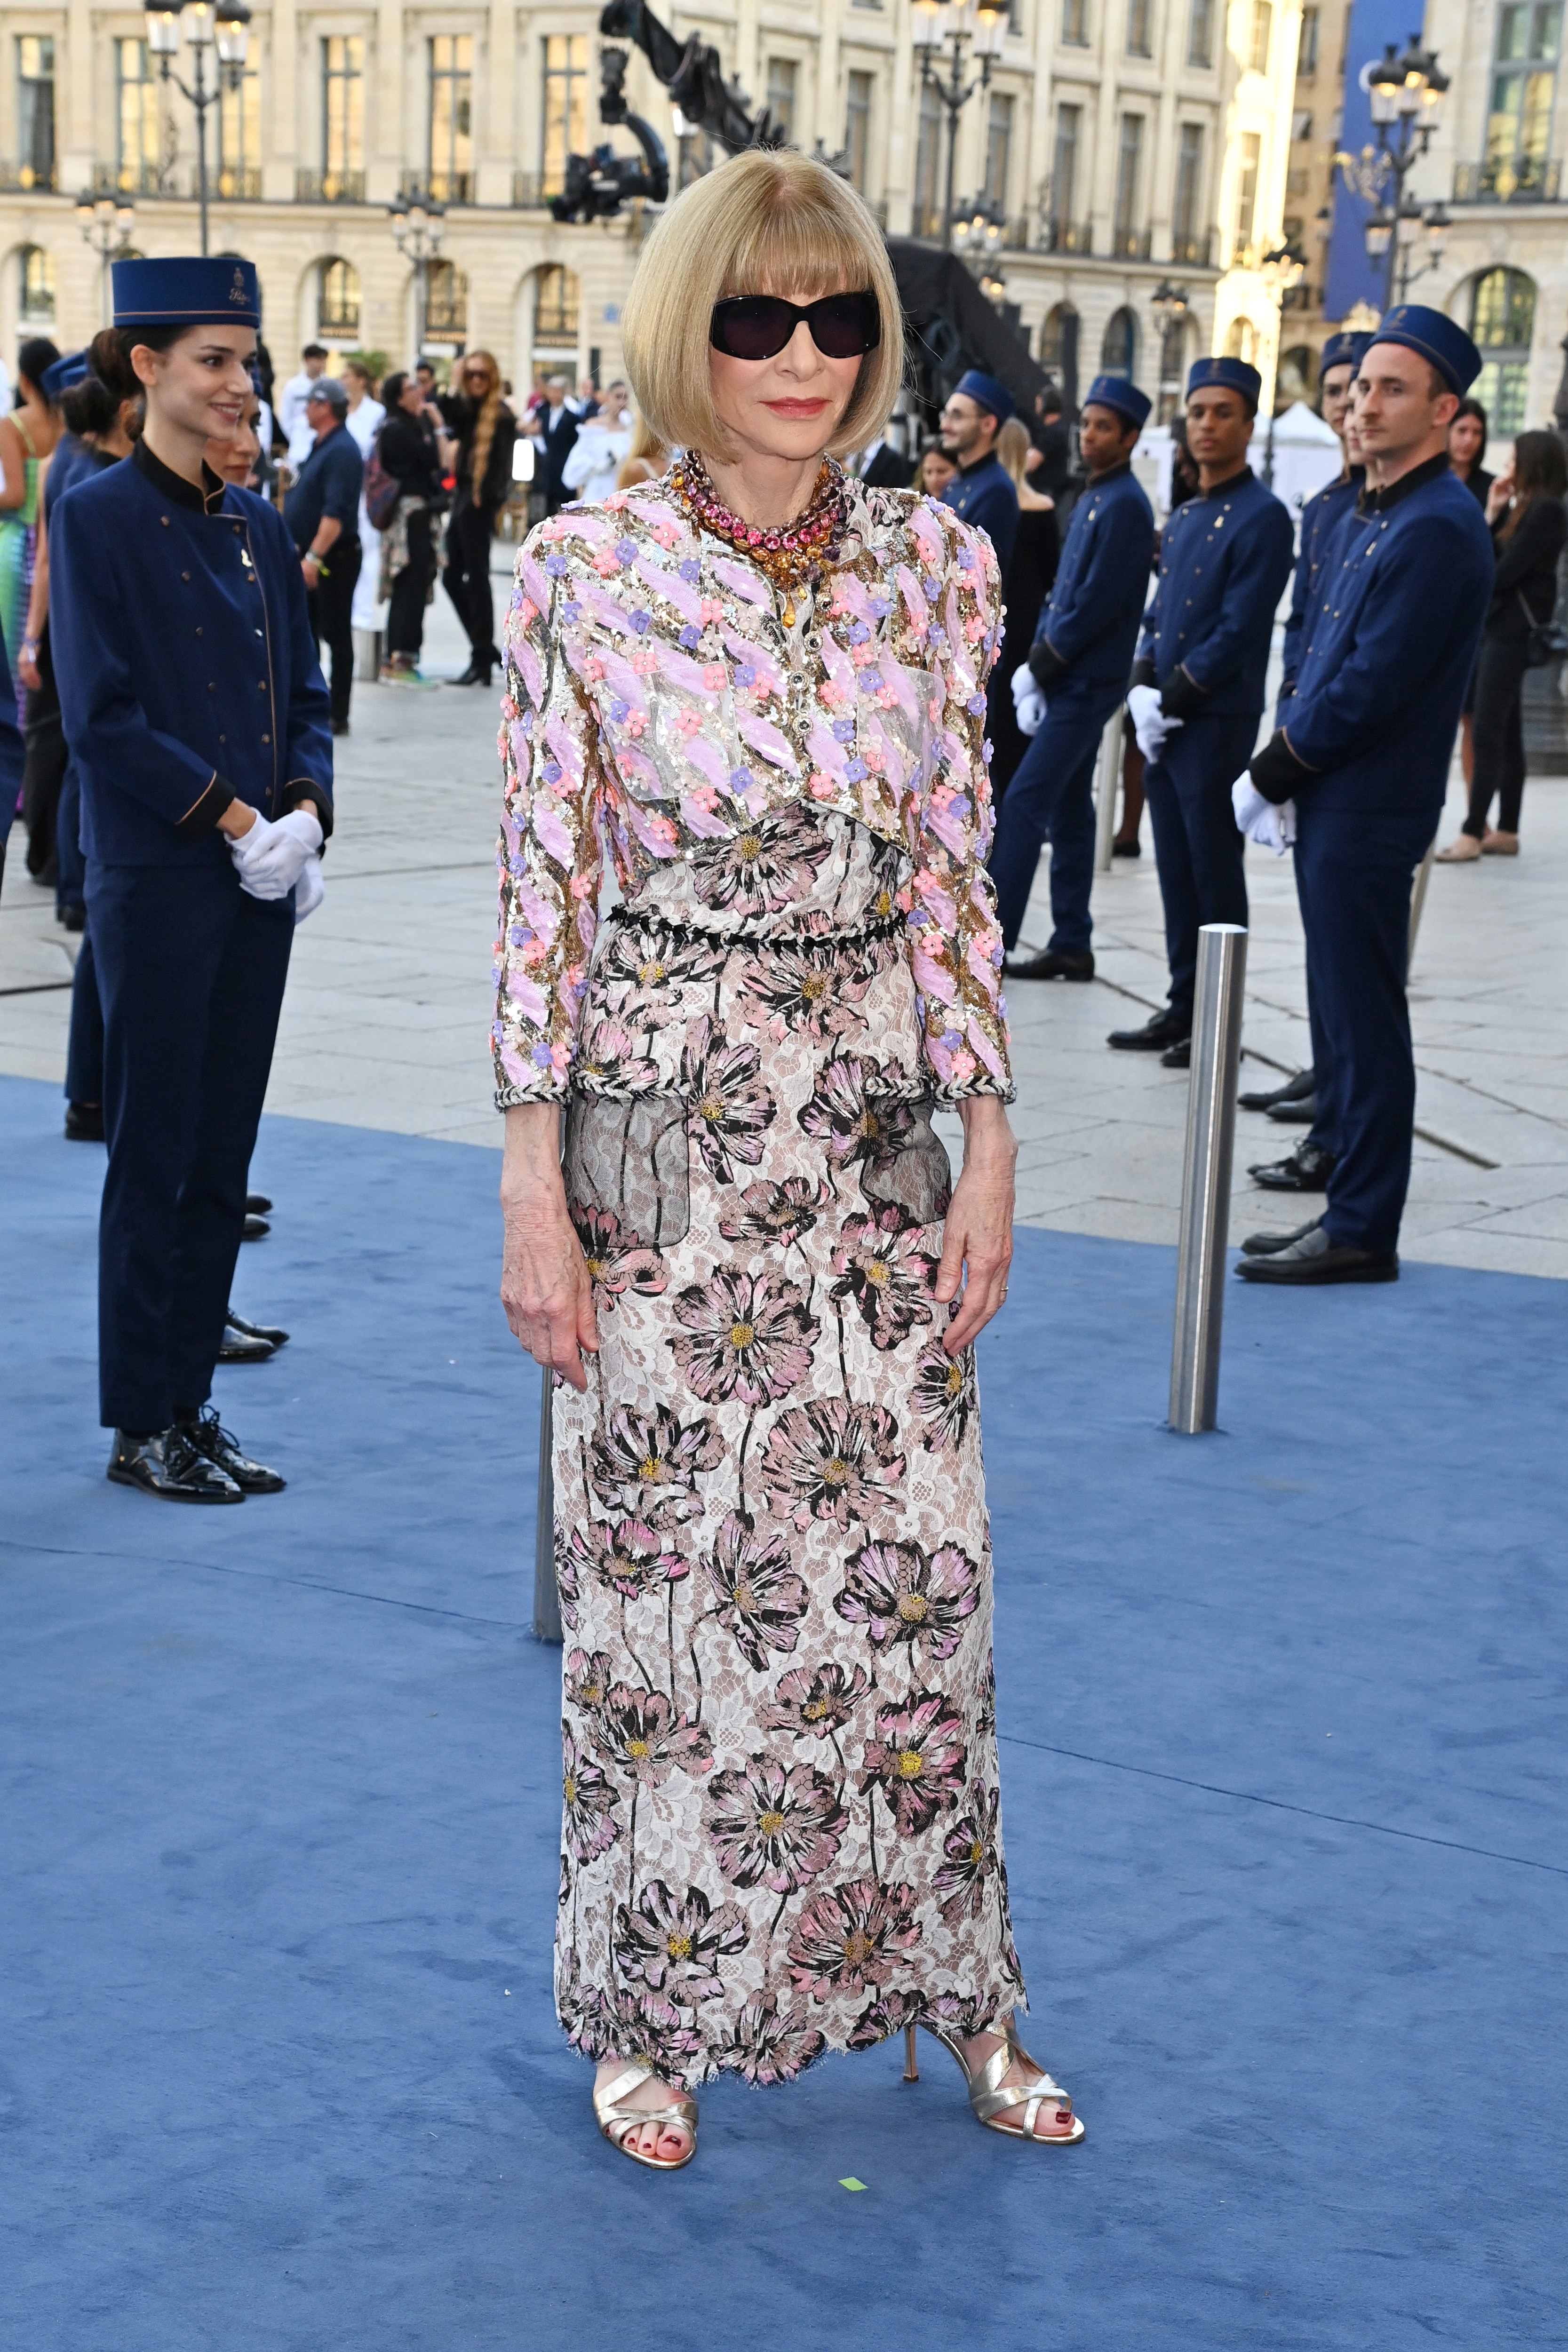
<point>1282,1715</point>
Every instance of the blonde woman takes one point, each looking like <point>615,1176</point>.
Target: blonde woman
<point>760,686</point>
<point>645,460</point>
<point>486,430</point>
<point>1031,569</point>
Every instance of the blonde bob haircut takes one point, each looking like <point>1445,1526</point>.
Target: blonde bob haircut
<point>767,222</point>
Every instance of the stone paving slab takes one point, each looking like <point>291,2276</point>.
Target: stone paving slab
<point>385,1023</point>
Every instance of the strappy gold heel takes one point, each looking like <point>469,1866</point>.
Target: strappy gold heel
<point>987,2096</point>
<point>615,2120</point>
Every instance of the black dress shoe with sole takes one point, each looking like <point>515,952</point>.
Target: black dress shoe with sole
<point>1303,1113</point>
<point>237,1348</point>
<point>267,1331</point>
<point>169,1465</point>
<point>74,919</point>
<point>1051,963</point>
<point>221,1449</point>
<point>1293,1090</point>
<point>1314,1258</point>
<point>84,1122</point>
<point>1308,1170</point>
<point>257,1204</point>
<point>1160,1029</point>
<point>1177,1057</point>
<point>1271,1245</point>
<point>1127,849</point>
<point>254,1229</point>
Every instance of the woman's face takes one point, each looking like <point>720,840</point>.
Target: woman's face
<point>1465,440</point>
<point>201,384</point>
<point>236,459</point>
<point>411,399</point>
<point>937,469</point>
<point>477,380</point>
<point>788,406</point>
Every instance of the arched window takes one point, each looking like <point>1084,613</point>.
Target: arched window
<point>1173,367</point>
<point>555,304</point>
<point>1241,340</point>
<point>1119,350</point>
<point>337,315</point>
<point>1297,378</point>
<point>1502,322</point>
<point>38,304</point>
<point>447,303</point>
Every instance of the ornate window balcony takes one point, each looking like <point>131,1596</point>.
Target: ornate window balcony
<point>1512,180</point>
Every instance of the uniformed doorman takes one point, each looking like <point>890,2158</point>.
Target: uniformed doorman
<point>1198,688</point>
<point>1357,776</point>
<point>197,717</point>
<point>1075,676</point>
<point>981,490</point>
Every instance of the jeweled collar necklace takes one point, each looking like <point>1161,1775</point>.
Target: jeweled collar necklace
<point>788,556</point>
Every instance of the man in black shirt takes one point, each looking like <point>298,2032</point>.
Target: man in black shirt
<point>321,512</point>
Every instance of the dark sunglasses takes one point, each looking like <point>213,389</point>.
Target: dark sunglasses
<point>758,326</point>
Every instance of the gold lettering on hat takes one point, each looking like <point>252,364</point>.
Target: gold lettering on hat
<point>236,292</point>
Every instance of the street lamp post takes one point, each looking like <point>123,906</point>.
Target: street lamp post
<point>1406,95</point>
<point>978,237</point>
<point>947,25</point>
<point>1170,307</point>
<point>1281,269</point>
<point>223,23</point>
<point>106,223</point>
<point>417,229</point>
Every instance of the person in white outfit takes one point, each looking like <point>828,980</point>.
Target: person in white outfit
<point>291,404</point>
<point>364,421</point>
<point>597,456</point>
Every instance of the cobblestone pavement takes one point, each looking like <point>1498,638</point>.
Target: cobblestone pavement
<point>386,1019</point>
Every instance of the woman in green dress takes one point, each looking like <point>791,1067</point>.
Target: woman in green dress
<point>27,436</point>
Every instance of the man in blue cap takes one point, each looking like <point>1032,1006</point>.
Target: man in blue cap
<point>197,717</point>
<point>1075,677</point>
<point>1356,777</point>
<point>1197,689</point>
<point>981,490</point>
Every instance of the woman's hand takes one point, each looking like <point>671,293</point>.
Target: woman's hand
<point>977,1238</point>
<point>1500,495</point>
<point>544,1284</point>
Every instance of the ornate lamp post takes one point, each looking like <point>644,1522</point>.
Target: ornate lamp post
<point>106,223</point>
<point>417,229</point>
<point>208,22</point>
<point>979,239</point>
<point>946,25</point>
<point>1281,271</point>
<point>1406,95</point>
<point>1171,308</point>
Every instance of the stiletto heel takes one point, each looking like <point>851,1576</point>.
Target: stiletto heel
<point>992,2103</point>
<point>912,2064</point>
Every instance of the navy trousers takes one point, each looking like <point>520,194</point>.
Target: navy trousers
<point>1197,847</point>
<point>1353,874</point>
<point>191,973</point>
<point>71,888</point>
<point>1051,796</point>
<point>84,1054</point>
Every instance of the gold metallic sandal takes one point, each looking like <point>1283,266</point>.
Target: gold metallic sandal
<point>615,2120</point>
<point>987,2096</point>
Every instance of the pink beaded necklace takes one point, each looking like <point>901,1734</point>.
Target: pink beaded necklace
<point>787,554</point>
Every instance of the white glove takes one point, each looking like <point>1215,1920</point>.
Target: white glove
<point>1270,826</point>
<point>1150,723</point>
<point>1028,702</point>
<point>308,891</point>
<point>270,858</point>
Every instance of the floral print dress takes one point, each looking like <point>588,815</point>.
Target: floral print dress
<point>781,1829</point>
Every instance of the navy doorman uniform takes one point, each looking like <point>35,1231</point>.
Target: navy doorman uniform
<point>1320,516</point>
<point>984,494</point>
<point>1224,557</point>
<point>1364,752</point>
<point>188,679</point>
<point>1081,659</point>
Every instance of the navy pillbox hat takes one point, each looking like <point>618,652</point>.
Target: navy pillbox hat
<point>63,374</point>
<point>1436,337</point>
<point>192,291</point>
<point>987,393</point>
<point>1342,350</point>
<point>1119,393</point>
<point>1234,375</point>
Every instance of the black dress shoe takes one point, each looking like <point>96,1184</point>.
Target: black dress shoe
<point>1177,1057</point>
<point>171,1467</point>
<point>84,1122</point>
<point>477,674</point>
<point>220,1448</point>
<point>1294,1089</point>
<point>1160,1029</point>
<point>1314,1258</point>
<point>267,1331</point>
<point>1051,963</point>
<point>1271,1245</point>
<point>340,726</point>
<point>254,1228</point>
<point>1127,849</point>
<point>74,917</point>
<point>1303,1113</point>
<point>1308,1170</point>
<point>257,1204</point>
<point>238,1348</point>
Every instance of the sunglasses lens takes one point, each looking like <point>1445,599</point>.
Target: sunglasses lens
<point>845,326</point>
<point>753,327</point>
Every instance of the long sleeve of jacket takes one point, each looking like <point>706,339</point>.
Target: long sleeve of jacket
<point>1296,622</point>
<point>104,716</point>
<point>1534,551</point>
<point>1254,585</point>
<point>308,768</point>
<point>1099,591</point>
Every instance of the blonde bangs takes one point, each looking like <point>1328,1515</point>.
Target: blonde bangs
<point>767,222</point>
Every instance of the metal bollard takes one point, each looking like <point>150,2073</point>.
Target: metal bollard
<point>546,1596</point>
<point>1108,776</point>
<point>1205,1180</point>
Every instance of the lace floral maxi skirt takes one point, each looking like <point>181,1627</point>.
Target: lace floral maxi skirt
<point>781,1829</point>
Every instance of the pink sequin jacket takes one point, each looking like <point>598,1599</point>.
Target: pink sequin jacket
<point>655,701</point>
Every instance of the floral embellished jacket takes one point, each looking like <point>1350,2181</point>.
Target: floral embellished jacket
<point>655,701</point>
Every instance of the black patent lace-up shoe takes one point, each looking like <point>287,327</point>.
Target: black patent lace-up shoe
<point>221,1448</point>
<point>1051,963</point>
<point>1164,1029</point>
<point>169,1466</point>
<point>1308,1170</point>
<point>273,1335</point>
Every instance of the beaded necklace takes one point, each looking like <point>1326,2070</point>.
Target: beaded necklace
<point>788,556</point>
